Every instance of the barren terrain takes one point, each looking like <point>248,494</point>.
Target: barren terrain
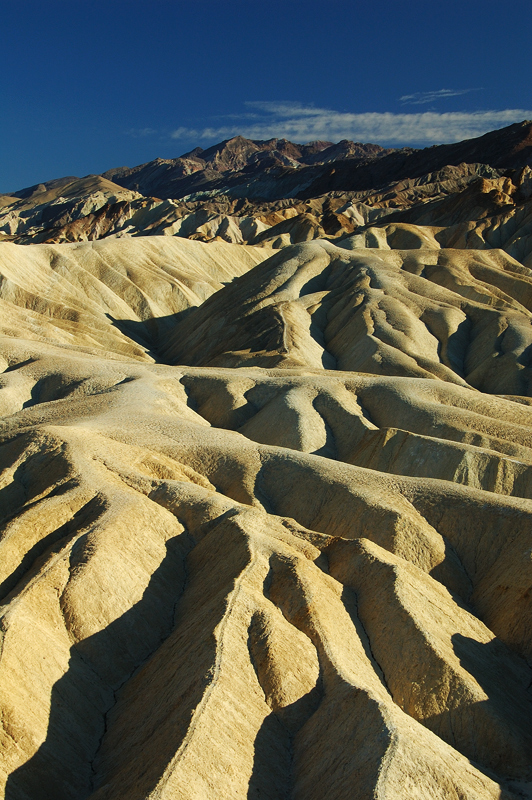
<point>266,486</point>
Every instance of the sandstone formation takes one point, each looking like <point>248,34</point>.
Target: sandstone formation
<point>266,510</point>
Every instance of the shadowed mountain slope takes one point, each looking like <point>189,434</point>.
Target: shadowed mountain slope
<point>234,161</point>
<point>237,165</point>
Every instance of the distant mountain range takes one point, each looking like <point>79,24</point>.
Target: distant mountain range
<point>241,165</point>
<point>277,168</point>
<point>240,188</point>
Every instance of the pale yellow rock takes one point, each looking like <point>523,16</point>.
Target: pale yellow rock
<point>457,316</point>
<point>120,296</point>
<point>297,566</point>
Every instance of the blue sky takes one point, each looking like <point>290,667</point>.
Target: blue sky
<point>92,85</point>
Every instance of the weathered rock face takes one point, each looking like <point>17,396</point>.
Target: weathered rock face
<point>266,519</point>
<point>460,316</point>
<point>119,296</point>
<point>188,611</point>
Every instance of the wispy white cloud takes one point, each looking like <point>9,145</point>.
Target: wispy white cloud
<point>282,108</point>
<point>305,124</point>
<point>421,98</point>
<point>188,133</point>
<point>139,133</point>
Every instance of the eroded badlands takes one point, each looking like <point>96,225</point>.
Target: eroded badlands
<point>266,518</point>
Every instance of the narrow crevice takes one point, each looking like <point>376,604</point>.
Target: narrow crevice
<point>350,601</point>
<point>93,772</point>
<point>434,515</point>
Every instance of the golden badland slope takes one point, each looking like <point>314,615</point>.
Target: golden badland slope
<point>92,294</point>
<point>266,522</point>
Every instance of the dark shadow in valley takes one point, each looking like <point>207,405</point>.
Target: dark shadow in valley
<point>42,474</point>
<point>494,733</point>
<point>20,364</point>
<point>271,778</point>
<point>487,662</point>
<point>451,573</point>
<point>153,333</point>
<point>525,357</point>
<point>457,346</point>
<point>53,387</point>
<point>318,283</point>
<point>273,775</point>
<point>99,665</point>
<point>318,325</point>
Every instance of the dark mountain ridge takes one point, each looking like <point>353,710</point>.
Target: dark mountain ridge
<point>509,148</point>
<point>233,162</point>
<point>273,169</point>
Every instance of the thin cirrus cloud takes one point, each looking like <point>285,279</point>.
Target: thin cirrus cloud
<point>421,98</point>
<point>139,133</point>
<point>301,123</point>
